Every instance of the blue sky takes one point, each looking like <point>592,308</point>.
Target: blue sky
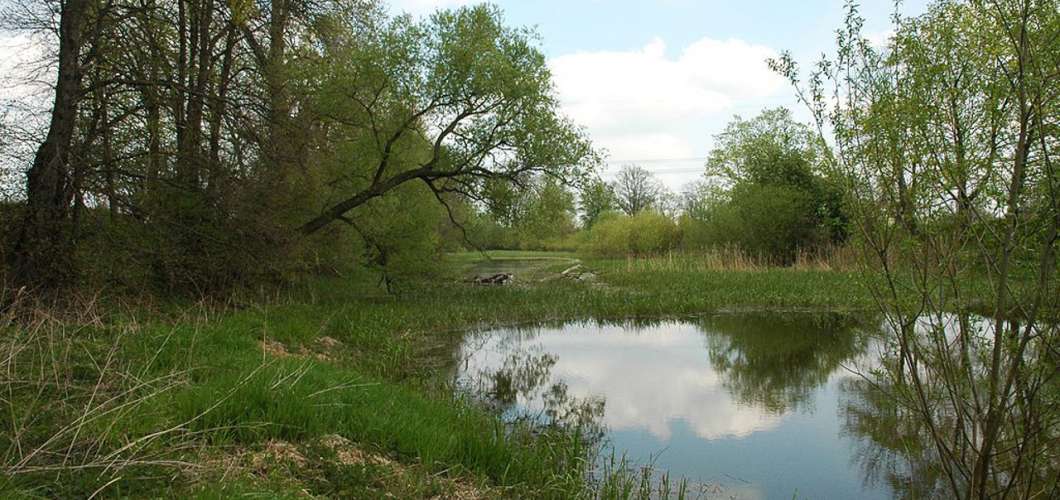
<point>654,80</point>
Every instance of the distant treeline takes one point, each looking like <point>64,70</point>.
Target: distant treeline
<point>764,191</point>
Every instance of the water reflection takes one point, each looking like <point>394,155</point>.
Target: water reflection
<point>892,448</point>
<point>918,425</point>
<point>776,361</point>
<point>747,401</point>
<point>526,375</point>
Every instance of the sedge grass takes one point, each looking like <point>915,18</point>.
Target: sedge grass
<point>107,405</point>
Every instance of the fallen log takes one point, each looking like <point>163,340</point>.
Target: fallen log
<point>496,279</point>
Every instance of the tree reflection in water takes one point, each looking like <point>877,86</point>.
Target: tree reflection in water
<point>892,444</point>
<point>749,383</point>
<point>769,361</point>
<point>526,375</point>
<point>701,390</point>
<point>775,361</point>
<point>904,418</point>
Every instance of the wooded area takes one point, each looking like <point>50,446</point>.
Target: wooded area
<point>201,143</point>
<point>197,148</point>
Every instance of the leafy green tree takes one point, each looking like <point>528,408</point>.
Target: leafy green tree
<point>944,144</point>
<point>771,148</point>
<point>478,93</point>
<point>505,202</point>
<point>397,236</point>
<point>778,199</point>
<point>536,214</point>
<point>177,127</point>
<point>597,198</point>
<point>549,216</point>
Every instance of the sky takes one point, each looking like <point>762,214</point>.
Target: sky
<point>654,80</point>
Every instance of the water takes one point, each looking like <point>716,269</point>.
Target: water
<point>752,405</point>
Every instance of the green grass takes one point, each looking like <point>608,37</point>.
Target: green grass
<point>201,386</point>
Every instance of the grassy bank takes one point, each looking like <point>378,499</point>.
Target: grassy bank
<point>330,388</point>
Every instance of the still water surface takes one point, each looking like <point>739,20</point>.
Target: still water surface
<point>753,405</point>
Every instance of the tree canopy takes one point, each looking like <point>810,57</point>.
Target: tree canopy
<point>204,136</point>
<point>766,191</point>
<point>637,190</point>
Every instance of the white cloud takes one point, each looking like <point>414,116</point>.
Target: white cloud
<point>651,379</point>
<point>418,7</point>
<point>647,104</point>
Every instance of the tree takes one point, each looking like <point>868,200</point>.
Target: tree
<point>41,254</point>
<point>200,143</point>
<point>944,143</point>
<point>699,198</point>
<point>536,215</point>
<point>636,190</point>
<point>775,361</point>
<point>597,198</point>
<point>775,198</point>
<point>397,234</point>
<point>476,92</point>
<point>771,148</point>
<point>549,215</point>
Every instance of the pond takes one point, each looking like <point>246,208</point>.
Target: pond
<point>745,405</point>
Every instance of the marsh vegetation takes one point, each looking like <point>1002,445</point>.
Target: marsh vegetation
<point>241,249</point>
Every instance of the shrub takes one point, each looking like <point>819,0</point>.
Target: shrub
<point>651,233</point>
<point>776,221</point>
<point>643,234</point>
<point>770,221</point>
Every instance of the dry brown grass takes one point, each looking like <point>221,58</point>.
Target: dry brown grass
<point>730,258</point>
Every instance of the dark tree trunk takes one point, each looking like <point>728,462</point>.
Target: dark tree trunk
<point>218,108</point>
<point>195,76</point>
<point>41,257</point>
<point>276,81</point>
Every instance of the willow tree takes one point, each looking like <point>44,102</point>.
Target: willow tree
<point>945,141</point>
<point>472,98</point>
<point>196,143</point>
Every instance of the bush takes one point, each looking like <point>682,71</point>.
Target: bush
<point>643,234</point>
<point>772,222</point>
<point>776,221</point>
<point>652,233</point>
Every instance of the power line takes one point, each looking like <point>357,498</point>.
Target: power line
<point>661,171</point>
<point>657,160</point>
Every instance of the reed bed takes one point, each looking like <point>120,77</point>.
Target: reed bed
<point>731,258</point>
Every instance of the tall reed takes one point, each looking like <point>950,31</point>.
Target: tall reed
<point>732,258</point>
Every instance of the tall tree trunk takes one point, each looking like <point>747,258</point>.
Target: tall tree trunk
<point>180,93</point>
<point>108,156</point>
<point>153,100</point>
<point>218,108</point>
<point>42,256</point>
<point>276,80</point>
